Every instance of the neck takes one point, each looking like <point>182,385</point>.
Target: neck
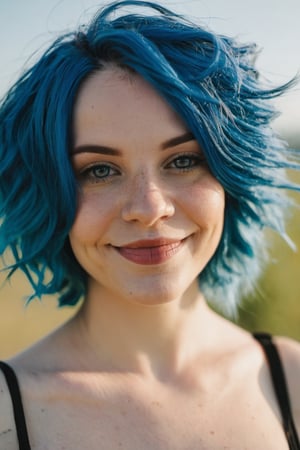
<point>122,335</point>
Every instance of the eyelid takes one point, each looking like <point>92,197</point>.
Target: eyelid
<point>96,164</point>
<point>88,159</point>
<point>197,155</point>
<point>85,174</point>
<point>82,161</point>
<point>190,147</point>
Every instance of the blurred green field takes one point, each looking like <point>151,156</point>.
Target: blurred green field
<point>276,305</point>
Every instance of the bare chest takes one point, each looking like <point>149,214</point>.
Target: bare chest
<point>157,420</point>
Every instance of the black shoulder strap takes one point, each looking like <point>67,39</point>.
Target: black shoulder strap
<point>280,387</point>
<point>13,387</point>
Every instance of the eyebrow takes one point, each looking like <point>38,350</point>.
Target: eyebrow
<point>186,137</point>
<point>90,148</point>
<point>104,150</point>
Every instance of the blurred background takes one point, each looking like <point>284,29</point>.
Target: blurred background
<point>28,27</point>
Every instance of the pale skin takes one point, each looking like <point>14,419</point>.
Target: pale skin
<point>145,363</point>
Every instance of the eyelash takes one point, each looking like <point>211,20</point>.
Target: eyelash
<point>193,159</point>
<point>88,174</point>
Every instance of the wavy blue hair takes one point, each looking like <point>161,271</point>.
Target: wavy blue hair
<point>208,79</point>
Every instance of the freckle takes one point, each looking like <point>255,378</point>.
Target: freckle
<point>156,403</point>
<point>212,432</point>
<point>5,431</point>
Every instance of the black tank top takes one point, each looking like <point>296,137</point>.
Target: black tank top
<point>277,375</point>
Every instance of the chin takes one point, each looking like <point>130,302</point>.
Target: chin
<point>161,294</point>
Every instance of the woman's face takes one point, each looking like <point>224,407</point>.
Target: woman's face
<point>150,214</point>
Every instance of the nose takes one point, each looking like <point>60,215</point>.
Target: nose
<point>147,202</point>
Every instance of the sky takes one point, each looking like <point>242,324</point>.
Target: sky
<point>28,26</point>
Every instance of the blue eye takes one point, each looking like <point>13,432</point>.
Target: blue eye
<point>98,173</point>
<point>101,171</point>
<point>185,162</point>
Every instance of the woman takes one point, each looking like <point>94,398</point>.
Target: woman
<point>139,171</point>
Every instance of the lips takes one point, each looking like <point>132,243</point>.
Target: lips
<point>149,252</point>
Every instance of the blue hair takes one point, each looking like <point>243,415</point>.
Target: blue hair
<point>208,79</point>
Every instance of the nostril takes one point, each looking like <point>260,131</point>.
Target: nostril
<point>148,206</point>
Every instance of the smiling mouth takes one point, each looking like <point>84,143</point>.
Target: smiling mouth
<point>150,252</point>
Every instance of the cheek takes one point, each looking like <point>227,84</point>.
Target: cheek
<point>205,203</point>
<point>92,218</point>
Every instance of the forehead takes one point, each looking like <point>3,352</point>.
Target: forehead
<point>117,99</point>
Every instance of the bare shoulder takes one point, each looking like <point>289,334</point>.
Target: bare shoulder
<point>290,353</point>
<point>289,350</point>
<point>7,426</point>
